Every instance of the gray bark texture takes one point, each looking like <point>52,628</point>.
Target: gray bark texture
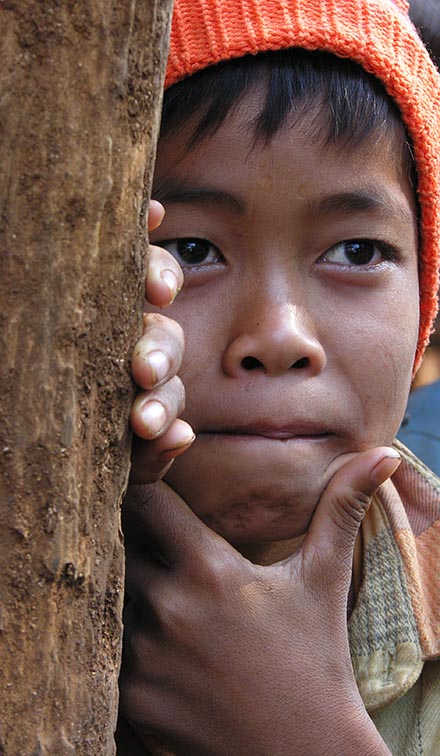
<point>80,95</point>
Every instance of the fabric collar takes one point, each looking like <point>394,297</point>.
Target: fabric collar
<point>395,623</point>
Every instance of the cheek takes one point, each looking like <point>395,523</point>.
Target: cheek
<point>205,331</point>
<point>378,356</point>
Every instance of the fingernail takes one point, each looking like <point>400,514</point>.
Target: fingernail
<point>158,205</point>
<point>159,365</point>
<point>154,204</point>
<point>170,454</point>
<point>170,280</point>
<point>154,416</point>
<point>385,467</point>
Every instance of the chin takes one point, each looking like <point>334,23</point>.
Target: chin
<point>260,531</point>
<point>260,519</point>
<point>247,514</point>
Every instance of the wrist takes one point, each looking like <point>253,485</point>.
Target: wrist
<point>347,731</point>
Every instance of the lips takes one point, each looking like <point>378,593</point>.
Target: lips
<point>297,430</point>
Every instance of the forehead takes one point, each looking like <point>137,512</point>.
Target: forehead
<point>296,163</point>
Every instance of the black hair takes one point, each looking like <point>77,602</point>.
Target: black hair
<point>346,104</point>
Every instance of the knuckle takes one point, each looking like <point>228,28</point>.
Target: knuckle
<point>173,616</point>
<point>162,328</point>
<point>218,572</point>
<point>179,392</point>
<point>214,574</point>
<point>179,334</point>
<point>172,396</point>
<point>153,319</point>
<point>351,507</point>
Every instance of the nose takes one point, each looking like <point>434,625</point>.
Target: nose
<point>274,342</point>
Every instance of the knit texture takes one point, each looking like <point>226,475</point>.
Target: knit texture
<point>379,36</point>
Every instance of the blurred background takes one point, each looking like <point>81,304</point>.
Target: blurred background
<point>426,16</point>
<point>420,429</point>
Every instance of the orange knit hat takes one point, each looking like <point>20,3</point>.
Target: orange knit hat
<point>378,35</point>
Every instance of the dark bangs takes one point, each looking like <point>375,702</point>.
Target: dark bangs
<point>346,105</point>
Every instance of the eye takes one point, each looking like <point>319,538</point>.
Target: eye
<point>358,252</point>
<point>190,252</point>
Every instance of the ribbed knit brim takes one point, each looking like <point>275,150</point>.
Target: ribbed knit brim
<point>379,36</point>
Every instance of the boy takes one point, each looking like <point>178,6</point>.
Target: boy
<point>305,217</point>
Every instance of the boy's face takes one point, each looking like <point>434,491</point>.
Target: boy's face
<point>299,345</point>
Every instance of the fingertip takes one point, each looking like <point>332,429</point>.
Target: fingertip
<point>150,369</point>
<point>156,212</point>
<point>385,467</point>
<point>152,458</point>
<point>184,437</point>
<point>164,278</point>
<point>172,286</point>
<point>154,417</point>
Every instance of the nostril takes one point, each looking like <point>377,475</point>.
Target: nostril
<point>251,363</point>
<point>302,363</point>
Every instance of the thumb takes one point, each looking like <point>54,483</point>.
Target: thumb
<point>343,505</point>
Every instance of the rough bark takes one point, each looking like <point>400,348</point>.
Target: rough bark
<point>80,85</point>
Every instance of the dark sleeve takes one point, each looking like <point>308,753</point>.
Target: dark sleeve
<point>127,741</point>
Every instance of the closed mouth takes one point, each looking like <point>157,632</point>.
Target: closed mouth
<point>276,433</point>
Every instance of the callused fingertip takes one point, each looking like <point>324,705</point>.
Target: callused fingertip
<point>385,467</point>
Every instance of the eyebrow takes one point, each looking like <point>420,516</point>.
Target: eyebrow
<point>178,191</point>
<point>181,192</point>
<point>351,203</point>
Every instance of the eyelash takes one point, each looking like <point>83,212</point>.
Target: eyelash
<point>209,254</point>
<point>209,248</point>
<point>386,251</point>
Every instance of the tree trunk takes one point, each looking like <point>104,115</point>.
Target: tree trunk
<point>80,90</point>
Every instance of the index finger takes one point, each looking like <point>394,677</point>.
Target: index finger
<point>156,513</point>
